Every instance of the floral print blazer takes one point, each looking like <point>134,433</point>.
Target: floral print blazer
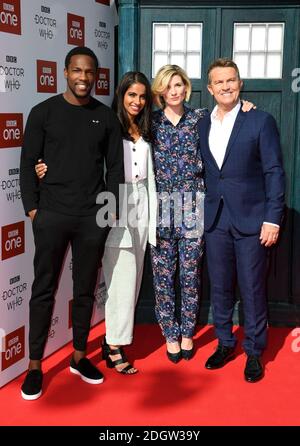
<point>178,172</point>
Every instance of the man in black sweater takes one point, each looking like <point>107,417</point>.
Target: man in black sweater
<point>75,135</point>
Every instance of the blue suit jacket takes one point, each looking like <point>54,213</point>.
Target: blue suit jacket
<point>251,179</point>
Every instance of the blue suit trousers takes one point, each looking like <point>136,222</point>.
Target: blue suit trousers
<point>231,254</point>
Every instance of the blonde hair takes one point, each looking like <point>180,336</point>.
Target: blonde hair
<point>162,80</point>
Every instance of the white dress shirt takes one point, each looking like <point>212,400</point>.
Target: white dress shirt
<point>135,160</point>
<point>220,132</point>
<point>219,135</point>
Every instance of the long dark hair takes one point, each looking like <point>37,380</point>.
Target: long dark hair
<point>143,119</point>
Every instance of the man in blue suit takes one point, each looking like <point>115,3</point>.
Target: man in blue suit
<point>243,211</point>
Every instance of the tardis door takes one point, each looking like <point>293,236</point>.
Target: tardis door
<point>170,33</point>
<point>264,41</point>
<point>268,83</point>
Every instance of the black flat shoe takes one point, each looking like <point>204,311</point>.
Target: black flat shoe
<point>174,357</point>
<point>187,354</point>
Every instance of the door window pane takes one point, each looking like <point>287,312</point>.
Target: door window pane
<point>258,38</point>
<point>258,49</point>
<point>274,65</point>
<point>241,38</point>
<point>177,38</point>
<point>158,61</point>
<point>179,44</point>
<point>257,65</point>
<point>193,65</point>
<point>177,59</point>
<point>194,37</point>
<point>161,38</point>
<point>275,38</point>
<point>242,61</point>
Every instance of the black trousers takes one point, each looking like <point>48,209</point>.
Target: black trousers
<point>52,234</point>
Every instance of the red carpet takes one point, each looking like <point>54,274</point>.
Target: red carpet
<point>163,393</point>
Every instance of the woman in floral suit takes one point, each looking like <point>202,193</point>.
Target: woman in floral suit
<point>179,180</point>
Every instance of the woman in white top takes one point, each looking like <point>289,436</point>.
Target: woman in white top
<point>125,247</point>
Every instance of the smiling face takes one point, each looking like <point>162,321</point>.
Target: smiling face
<point>175,93</point>
<point>134,100</point>
<point>80,76</point>
<point>225,86</point>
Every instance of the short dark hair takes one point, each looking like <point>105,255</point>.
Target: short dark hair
<point>81,50</point>
<point>222,62</point>
<point>143,119</point>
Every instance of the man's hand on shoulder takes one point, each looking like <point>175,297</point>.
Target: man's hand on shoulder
<point>269,234</point>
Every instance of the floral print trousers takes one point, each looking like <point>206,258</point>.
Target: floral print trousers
<point>164,261</point>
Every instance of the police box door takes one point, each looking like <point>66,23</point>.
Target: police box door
<point>260,40</point>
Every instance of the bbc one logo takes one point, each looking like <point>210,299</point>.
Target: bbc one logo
<point>10,16</point>
<point>13,240</point>
<point>75,30</point>
<point>11,130</point>
<point>46,75</point>
<point>102,82</point>
<point>103,2</point>
<point>13,349</point>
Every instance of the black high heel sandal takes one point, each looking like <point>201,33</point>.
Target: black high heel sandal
<point>106,351</point>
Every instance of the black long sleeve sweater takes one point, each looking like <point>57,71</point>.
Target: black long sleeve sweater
<point>75,142</point>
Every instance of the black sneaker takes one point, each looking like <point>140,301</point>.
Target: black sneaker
<point>88,372</point>
<point>32,386</point>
